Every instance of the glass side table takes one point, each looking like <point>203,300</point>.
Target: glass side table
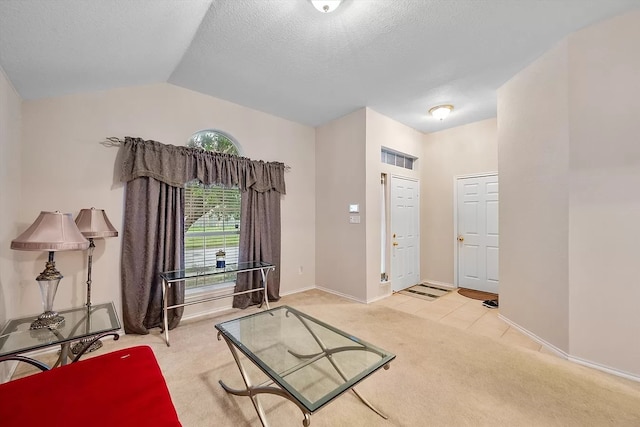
<point>170,277</point>
<point>16,338</point>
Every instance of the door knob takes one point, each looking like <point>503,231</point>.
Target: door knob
<point>461,238</point>
<point>395,243</point>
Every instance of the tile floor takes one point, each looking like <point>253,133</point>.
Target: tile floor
<point>465,313</point>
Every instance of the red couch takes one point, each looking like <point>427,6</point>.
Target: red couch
<point>122,388</point>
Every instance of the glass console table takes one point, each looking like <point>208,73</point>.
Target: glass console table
<point>169,277</point>
<point>16,338</point>
<point>307,361</point>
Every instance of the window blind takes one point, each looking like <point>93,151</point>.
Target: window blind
<point>212,223</point>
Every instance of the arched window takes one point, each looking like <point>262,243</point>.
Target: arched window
<point>212,215</point>
<point>214,140</point>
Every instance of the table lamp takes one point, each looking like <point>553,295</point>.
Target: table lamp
<point>93,224</point>
<point>52,232</point>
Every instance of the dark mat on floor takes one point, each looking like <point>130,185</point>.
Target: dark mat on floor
<point>425,291</point>
<point>472,293</point>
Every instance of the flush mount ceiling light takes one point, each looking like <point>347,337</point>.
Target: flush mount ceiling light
<point>441,112</point>
<point>326,6</point>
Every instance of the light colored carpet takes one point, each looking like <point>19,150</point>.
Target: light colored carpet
<point>424,291</point>
<point>441,376</point>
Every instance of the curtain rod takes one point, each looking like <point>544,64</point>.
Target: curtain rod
<point>114,141</point>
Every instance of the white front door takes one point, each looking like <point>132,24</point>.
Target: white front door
<point>405,233</point>
<point>477,229</point>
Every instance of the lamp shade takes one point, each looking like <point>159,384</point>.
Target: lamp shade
<point>93,223</point>
<point>51,231</point>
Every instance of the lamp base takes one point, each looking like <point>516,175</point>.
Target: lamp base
<point>77,347</point>
<point>49,320</point>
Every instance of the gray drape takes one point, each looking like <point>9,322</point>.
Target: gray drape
<point>153,241</point>
<point>259,240</point>
<point>156,174</point>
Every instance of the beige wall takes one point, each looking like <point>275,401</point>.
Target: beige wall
<point>384,132</point>
<point>569,170</point>
<point>65,168</point>
<point>604,167</point>
<point>9,199</point>
<point>533,137</point>
<point>348,172</point>
<point>464,150</point>
<point>340,181</point>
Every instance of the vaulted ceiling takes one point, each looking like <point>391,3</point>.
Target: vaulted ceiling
<point>399,57</point>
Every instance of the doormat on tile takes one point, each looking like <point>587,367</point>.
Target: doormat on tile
<point>425,291</point>
<point>472,293</point>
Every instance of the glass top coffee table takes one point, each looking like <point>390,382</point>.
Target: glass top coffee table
<point>307,361</point>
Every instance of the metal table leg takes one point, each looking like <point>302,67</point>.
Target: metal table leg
<point>65,352</point>
<point>328,353</point>
<point>264,272</point>
<point>253,391</point>
<point>165,317</point>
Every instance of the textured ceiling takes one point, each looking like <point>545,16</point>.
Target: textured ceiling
<point>399,57</point>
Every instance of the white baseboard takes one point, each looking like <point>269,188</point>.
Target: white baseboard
<point>563,354</point>
<point>378,298</point>
<point>297,291</point>
<point>340,294</point>
<point>604,368</point>
<point>552,348</point>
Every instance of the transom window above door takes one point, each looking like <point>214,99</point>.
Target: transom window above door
<point>396,158</point>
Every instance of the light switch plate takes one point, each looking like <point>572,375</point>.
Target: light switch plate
<point>354,219</point>
<point>354,208</point>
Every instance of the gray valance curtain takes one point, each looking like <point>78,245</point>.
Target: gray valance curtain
<point>156,174</point>
<point>177,166</point>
